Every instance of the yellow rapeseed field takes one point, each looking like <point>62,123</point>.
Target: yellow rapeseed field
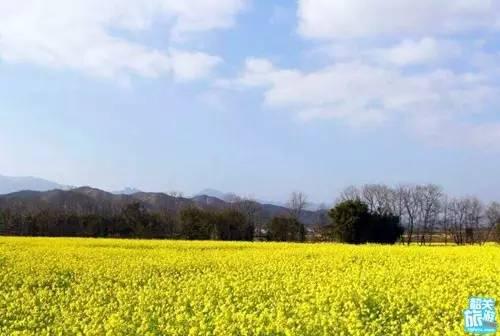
<point>120,287</point>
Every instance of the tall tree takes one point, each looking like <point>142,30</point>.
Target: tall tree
<point>429,198</point>
<point>493,219</point>
<point>297,204</point>
<point>410,206</point>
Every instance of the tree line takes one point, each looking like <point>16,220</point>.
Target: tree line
<point>368,214</point>
<point>237,222</point>
<point>428,214</point>
<point>134,221</point>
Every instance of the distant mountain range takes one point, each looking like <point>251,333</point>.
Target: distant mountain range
<point>227,197</point>
<point>34,194</point>
<point>230,197</point>
<point>10,184</point>
<point>127,191</point>
<point>87,200</point>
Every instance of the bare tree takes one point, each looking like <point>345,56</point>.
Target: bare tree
<point>297,204</point>
<point>459,210</point>
<point>445,219</point>
<point>378,197</point>
<point>369,196</point>
<point>492,219</point>
<point>474,218</point>
<point>349,194</point>
<point>410,204</point>
<point>429,199</point>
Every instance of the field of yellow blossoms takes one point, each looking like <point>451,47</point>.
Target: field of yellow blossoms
<point>120,287</point>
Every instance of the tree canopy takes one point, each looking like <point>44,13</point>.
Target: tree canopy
<point>354,223</point>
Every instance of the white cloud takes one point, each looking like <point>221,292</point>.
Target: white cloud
<point>364,95</point>
<point>344,83</point>
<point>425,51</point>
<point>202,15</point>
<point>338,19</point>
<point>89,35</point>
<point>398,62</point>
<point>190,65</point>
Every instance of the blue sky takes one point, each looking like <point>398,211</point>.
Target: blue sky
<point>255,97</point>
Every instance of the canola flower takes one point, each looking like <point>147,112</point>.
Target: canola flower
<point>120,287</point>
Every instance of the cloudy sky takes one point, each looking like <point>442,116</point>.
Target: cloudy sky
<point>255,97</point>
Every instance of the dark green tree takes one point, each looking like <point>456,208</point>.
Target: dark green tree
<point>353,223</point>
<point>348,220</point>
<point>385,228</point>
<point>282,228</point>
<point>135,220</point>
<point>231,224</point>
<point>196,224</point>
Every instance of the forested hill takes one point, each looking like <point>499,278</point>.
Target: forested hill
<point>87,200</point>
